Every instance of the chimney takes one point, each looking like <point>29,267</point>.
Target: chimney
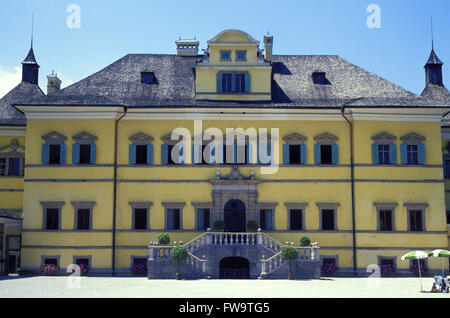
<point>268,44</point>
<point>187,47</point>
<point>53,83</point>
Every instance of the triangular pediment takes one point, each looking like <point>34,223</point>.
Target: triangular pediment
<point>326,138</point>
<point>384,137</point>
<point>167,139</point>
<point>294,138</point>
<point>54,137</point>
<point>84,137</point>
<point>413,138</point>
<point>141,138</point>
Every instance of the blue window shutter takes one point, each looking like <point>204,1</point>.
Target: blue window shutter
<point>286,154</point>
<point>164,154</point>
<point>93,153</point>
<point>45,153</point>
<point>182,154</point>
<point>170,220</point>
<point>403,154</point>
<point>219,82</point>
<point>212,154</point>
<point>247,82</point>
<point>335,154</point>
<point>197,154</point>
<point>132,154</point>
<point>303,154</point>
<point>76,153</point>
<point>63,154</point>
<point>249,151</point>
<point>269,220</point>
<point>393,153</point>
<point>219,158</point>
<point>235,153</point>
<point>375,153</point>
<point>421,154</point>
<point>149,154</point>
<point>233,82</point>
<point>317,159</point>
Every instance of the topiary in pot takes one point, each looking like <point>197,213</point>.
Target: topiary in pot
<point>163,239</point>
<point>289,253</point>
<point>252,226</point>
<point>178,254</point>
<point>305,241</point>
<point>219,225</point>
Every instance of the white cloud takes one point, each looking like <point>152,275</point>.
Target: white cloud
<point>9,79</point>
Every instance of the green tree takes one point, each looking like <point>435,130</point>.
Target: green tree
<point>219,225</point>
<point>305,241</point>
<point>289,253</point>
<point>178,254</point>
<point>163,239</point>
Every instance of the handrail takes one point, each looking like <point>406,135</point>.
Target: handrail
<point>196,258</point>
<point>272,257</point>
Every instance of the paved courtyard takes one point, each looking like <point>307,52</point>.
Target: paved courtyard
<point>41,286</point>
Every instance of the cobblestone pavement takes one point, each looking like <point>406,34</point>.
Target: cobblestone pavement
<point>41,286</point>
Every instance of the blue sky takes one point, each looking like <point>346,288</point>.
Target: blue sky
<point>110,29</point>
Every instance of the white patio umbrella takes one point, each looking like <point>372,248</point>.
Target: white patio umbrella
<point>444,254</point>
<point>416,255</point>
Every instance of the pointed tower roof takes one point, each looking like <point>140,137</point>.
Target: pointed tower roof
<point>433,59</point>
<point>30,59</point>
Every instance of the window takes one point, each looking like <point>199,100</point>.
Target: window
<point>265,219</point>
<point>141,149</point>
<point>203,217</point>
<point>326,149</point>
<point>140,219</point>
<point>233,82</point>
<point>173,219</point>
<point>413,149</point>
<point>14,166</point>
<point>328,261</point>
<point>415,263</point>
<point>241,56</point>
<point>54,154</point>
<point>320,78</point>
<point>387,261</point>
<point>167,158</point>
<point>446,168</point>
<point>82,261</point>
<point>51,261</point>
<point>84,150</point>
<point>147,77</point>
<point>385,220</point>
<point>225,55</point>
<point>328,220</point>
<point>448,217</point>
<point>296,220</point>
<point>2,166</point>
<point>383,154</point>
<point>83,219</point>
<point>52,219</point>
<point>416,220</point>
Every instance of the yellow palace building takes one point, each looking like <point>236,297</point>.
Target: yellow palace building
<point>91,174</point>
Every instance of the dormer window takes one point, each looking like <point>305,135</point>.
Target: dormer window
<point>148,78</point>
<point>241,56</point>
<point>320,78</point>
<point>225,55</point>
<point>233,82</point>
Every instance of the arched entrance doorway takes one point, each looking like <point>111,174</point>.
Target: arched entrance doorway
<point>234,216</point>
<point>234,268</point>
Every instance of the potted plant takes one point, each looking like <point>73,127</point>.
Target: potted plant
<point>163,239</point>
<point>289,253</point>
<point>49,269</point>
<point>178,254</point>
<point>84,269</point>
<point>219,225</point>
<point>305,241</point>
<point>252,226</point>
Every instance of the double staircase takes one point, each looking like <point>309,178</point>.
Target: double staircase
<point>206,250</point>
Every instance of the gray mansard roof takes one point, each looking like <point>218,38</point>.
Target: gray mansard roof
<point>22,93</point>
<point>292,85</point>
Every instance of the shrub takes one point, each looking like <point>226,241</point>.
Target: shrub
<point>219,225</point>
<point>252,226</point>
<point>178,254</point>
<point>84,269</point>
<point>305,241</point>
<point>139,269</point>
<point>415,269</point>
<point>387,269</point>
<point>289,253</point>
<point>329,269</point>
<point>163,239</point>
<point>49,269</point>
